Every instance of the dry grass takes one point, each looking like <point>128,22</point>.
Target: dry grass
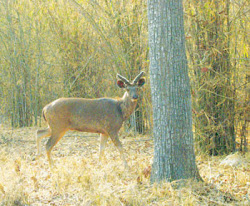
<point>80,180</point>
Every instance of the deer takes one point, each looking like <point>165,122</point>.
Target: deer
<point>104,116</point>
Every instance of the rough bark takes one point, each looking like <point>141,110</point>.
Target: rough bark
<point>174,156</point>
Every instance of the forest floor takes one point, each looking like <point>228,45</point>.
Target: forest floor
<point>79,179</point>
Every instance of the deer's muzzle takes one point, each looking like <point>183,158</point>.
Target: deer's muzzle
<point>135,97</point>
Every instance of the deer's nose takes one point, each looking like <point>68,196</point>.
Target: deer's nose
<point>135,96</point>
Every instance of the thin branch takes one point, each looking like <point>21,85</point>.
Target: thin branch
<point>88,17</point>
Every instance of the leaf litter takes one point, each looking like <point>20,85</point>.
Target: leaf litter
<point>79,178</point>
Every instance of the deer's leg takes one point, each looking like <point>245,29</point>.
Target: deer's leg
<point>55,137</point>
<point>40,134</point>
<point>104,139</point>
<point>118,145</point>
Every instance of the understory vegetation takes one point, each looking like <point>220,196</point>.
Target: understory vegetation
<point>75,48</point>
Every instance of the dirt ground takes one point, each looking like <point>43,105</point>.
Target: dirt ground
<point>79,178</point>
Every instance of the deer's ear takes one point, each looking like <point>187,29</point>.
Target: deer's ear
<point>141,82</point>
<point>120,84</point>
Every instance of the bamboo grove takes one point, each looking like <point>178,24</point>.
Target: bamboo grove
<point>51,49</point>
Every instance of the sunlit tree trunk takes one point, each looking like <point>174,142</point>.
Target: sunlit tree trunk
<point>174,156</point>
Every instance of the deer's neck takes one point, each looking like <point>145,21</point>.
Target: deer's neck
<point>127,106</point>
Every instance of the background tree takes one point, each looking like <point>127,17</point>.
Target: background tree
<point>217,75</point>
<point>51,49</point>
<point>174,156</point>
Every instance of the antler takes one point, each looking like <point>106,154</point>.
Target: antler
<point>123,79</point>
<point>138,77</point>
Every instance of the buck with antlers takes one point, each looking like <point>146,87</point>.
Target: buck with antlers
<point>104,116</point>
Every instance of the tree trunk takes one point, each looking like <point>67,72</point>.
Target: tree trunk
<point>174,156</point>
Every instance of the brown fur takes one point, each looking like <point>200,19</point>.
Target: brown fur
<point>104,116</point>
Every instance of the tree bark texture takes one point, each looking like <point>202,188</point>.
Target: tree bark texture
<point>174,156</point>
